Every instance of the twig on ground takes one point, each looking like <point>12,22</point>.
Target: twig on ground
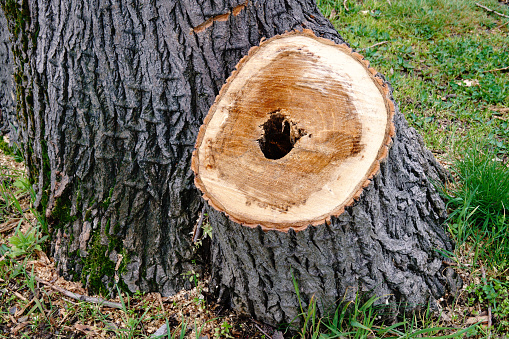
<point>344,4</point>
<point>197,232</point>
<point>491,11</point>
<point>489,307</point>
<point>503,69</point>
<point>499,109</point>
<point>505,23</point>
<point>80,297</point>
<point>9,225</point>
<point>19,296</point>
<point>377,44</point>
<point>260,329</point>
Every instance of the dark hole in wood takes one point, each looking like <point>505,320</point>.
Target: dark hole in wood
<point>279,136</point>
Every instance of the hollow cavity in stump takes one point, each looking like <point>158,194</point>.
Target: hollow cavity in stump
<point>279,136</point>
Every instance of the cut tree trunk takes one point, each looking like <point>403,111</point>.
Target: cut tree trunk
<point>293,156</point>
<point>111,95</point>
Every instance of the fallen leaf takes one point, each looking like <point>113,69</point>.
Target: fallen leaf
<point>478,319</point>
<point>84,328</point>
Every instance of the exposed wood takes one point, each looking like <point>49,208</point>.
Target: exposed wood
<point>295,134</point>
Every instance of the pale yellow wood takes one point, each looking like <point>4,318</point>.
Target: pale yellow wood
<point>321,96</point>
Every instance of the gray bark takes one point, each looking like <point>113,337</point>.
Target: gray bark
<point>384,245</point>
<point>112,94</point>
<point>7,89</point>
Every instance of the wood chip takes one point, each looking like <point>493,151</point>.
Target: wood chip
<point>20,296</point>
<point>85,328</point>
<point>16,329</point>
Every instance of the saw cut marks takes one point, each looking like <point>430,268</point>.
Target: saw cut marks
<point>294,135</point>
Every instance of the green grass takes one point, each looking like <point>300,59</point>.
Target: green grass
<point>479,203</point>
<point>362,318</point>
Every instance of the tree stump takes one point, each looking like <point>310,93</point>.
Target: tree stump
<point>110,97</point>
<point>294,157</point>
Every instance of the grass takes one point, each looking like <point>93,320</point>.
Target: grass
<point>447,61</point>
<point>480,205</point>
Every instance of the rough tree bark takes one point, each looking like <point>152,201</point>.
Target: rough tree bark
<point>7,94</point>
<point>111,95</point>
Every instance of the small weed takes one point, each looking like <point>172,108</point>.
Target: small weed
<point>25,243</point>
<point>223,331</point>
<point>129,318</point>
<point>192,276</point>
<point>494,293</point>
<point>207,230</point>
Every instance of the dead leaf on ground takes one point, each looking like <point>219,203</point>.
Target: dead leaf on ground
<point>478,319</point>
<point>9,225</point>
<point>85,328</point>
